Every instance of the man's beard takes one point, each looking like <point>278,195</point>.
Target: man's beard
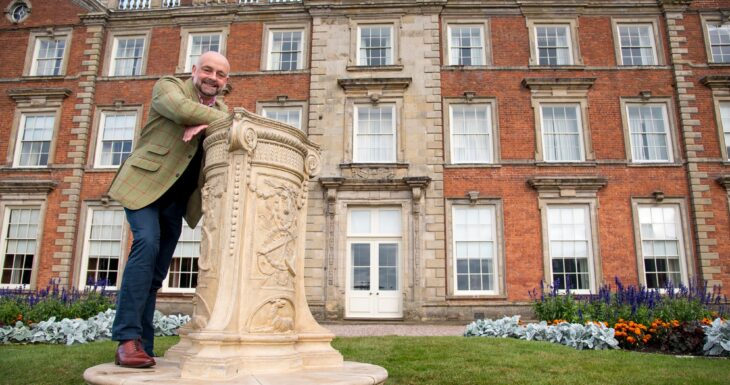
<point>200,86</point>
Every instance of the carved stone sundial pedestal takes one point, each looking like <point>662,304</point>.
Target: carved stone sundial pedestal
<point>251,322</point>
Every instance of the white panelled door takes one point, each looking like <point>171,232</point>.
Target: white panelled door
<point>374,263</point>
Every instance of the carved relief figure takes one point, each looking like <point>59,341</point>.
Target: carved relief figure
<point>279,222</point>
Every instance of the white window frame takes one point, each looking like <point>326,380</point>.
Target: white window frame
<point>668,123</point>
<point>185,65</point>
<point>267,109</point>
<point>360,57</point>
<point>581,139</point>
<point>113,47</point>
<point>21,130</point>
<point>31,67</point>
<point>6,208</point>
<point>489,132</point>
<point>100,135</point>
<point>723,125</point>
<point>707,22</point>
<point>270,50</point>
<point>482,36</point>
<point>166,288</point>
<point>356,157</point>
<point>496,248</point>
<point>653,35</point>
<point>589,237</point>
<point>681,230</point>
<point>376,238</point>
<point>84,265</point>
<point>570,25</point>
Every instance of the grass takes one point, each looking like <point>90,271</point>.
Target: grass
<point>417,360</point>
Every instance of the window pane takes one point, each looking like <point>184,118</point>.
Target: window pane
<point>20,246</point>
<point>360,222</point>
<point>719,42</point>
<point>128,56</point>
<point>466,45</point>
<point>104,246</point>
<point>374,136</point>
<point>725,120</point>
<point>388,266</point>
<point>474,236</point>
<point>376,47</point>
<point>184,266</point>
<point>649,134</point>
<point>637,44</point>
<point>561,131</point>
<point>116,138</point>
<point>200,44</point>
<point>569,248</point>
<point>389,222</point>
<point>471,133</point>
<point>49,56</point>
<point>659,231</point>
<point>286,50</point>
<point>288,115</point>
<point>360,266</point>
<point>553,45</point>
<point>35,141</point>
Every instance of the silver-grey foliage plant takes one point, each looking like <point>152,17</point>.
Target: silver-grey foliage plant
<point>589,336</point>
<point>717,338</point>
<point>70,331</point>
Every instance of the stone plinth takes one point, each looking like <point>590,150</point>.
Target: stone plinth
<point>251,323</point>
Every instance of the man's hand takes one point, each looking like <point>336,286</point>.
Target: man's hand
<point>191,131</point>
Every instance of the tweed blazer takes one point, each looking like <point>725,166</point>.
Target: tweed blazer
<point>160,156</point>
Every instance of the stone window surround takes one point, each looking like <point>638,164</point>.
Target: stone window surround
<point>671,124</point>
<point>353,60</point>
<point>501,287</point>
<point>448,21</point>
<point>686,265</point>
<point>577,190</point>
<point>466,100</point>
<point>283,101</point>
<point>23,193</point>
<point>35,36</point>
<point>720,86</point>
<point>101,110</point>
<point>373,91</point>
<point>572,23</point>
<point>561,91</point>
<point>185,35</point>
<point>31,101</point>
<point>81,263</point>
<point>724,181</point>
<point>721,17</point>
<point>12,5</point>
<point>110,54</point>
<point>658,47</point>
<point>266,38</point>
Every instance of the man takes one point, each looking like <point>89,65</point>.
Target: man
<point>158,185</point>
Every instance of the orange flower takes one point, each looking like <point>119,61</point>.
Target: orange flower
<point>630,340</point>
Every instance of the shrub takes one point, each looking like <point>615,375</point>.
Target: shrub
<point>637,304</point>
<point>589,336</point>
<point>717,341</point>
<point>53,301</point>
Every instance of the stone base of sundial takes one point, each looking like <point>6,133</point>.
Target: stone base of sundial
<point>168,372</point>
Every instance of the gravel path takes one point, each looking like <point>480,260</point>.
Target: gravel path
<point>366,330</point>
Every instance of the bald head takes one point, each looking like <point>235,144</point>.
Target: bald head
<point>210,74</point>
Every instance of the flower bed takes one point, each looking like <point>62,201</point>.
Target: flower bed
<point>675,320</point>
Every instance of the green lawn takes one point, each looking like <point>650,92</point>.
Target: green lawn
<point>418,360</point>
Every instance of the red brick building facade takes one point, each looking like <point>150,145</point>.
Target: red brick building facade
<point>530,141</point>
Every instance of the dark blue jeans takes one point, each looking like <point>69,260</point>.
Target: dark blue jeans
<point>156,229</point>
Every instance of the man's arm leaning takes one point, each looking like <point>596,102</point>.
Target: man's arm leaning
<point>169,100</point>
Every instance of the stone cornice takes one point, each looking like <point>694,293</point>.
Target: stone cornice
<point>388,184</point>
<point>95,18</point>
<point>385,84</point>
<point>567,186</point>
<point>716,81</point>
<point>27,186</point>
<point>22,94</point>
<point>558,83</point>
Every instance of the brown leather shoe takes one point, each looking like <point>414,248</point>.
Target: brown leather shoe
<point>130,354</point>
